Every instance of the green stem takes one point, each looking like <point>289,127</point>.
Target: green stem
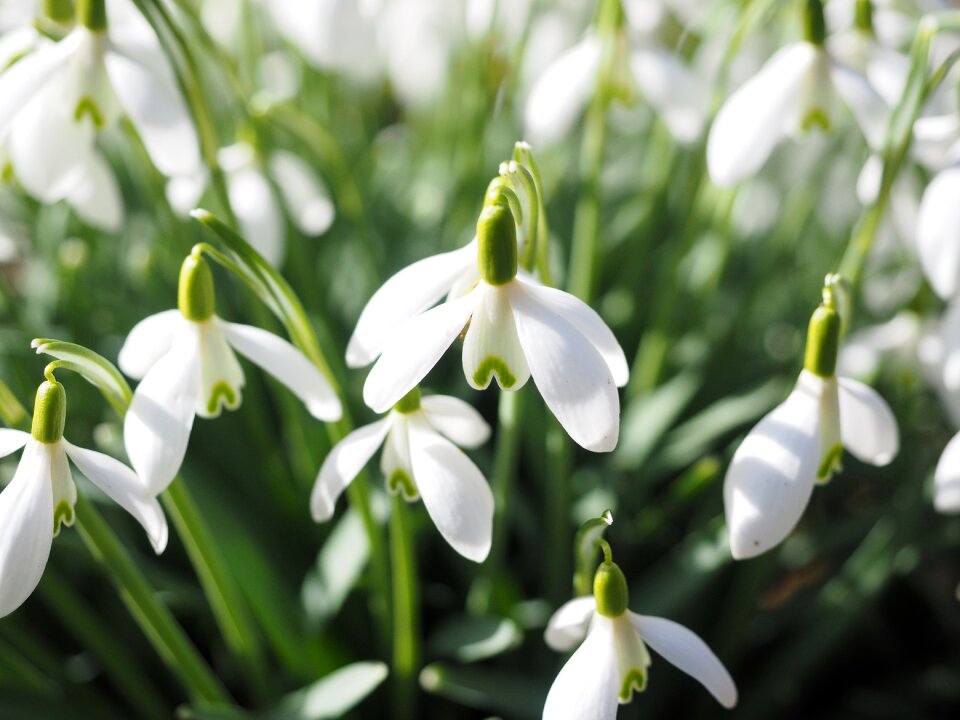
<point>559,530</point>
<point>406,601</point>
<point>159,625</point>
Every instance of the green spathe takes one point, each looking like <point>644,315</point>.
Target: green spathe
<point>92,14</point>
<point>195,296</point>
<point>823,342</point>
<point>497,243</point>
<point>610,590</point>
<point>49,413</point>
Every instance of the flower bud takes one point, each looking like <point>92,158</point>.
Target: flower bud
<point>610,590</point>
<point>863,17</point>
<point>195,296</point>
<point>409,403</point>
<point>49,412</point>
<point>497,240</point>
<point>92,14</point>
<point>823,342</point>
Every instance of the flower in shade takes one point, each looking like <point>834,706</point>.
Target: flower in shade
<point>612,661</point>
<point>187,365</point>
<point>515,329</point>
<point>800,443</point>
<point>946,478</point>
<point>420,461</point>
<point>40,499</point>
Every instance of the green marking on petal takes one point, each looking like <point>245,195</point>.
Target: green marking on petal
<point>62,515</point>
<point>494,366</point>
<point>831,463</point>
<point>221,391</point>
<point>634,681</point>
<point>816,118</point>
<point>401,483</point>
<point>87,106</point>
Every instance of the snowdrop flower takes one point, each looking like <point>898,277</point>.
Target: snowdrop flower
<point>562,92</point>
<point>946,479</point>
<point>799,89</point>
<point>257,206</point>
<point>55,100</point>
<point>612,662</point>
<point>186,362</point>
<point>800,443</point>
<point>515,329</point>
<point>420,461</point>
<point>938,220</point>
<point>40,499</point>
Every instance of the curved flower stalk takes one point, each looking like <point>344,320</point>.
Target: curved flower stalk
<point>515,329</point>
<point>40,499</point>
<point>57,97</point>
<point>641,67</point>
<point>257,190</point>
<point>800,442</point>
<point>801,88</point>
<point>186,362</point>
<point>420,460</point>
<point>612,661</point>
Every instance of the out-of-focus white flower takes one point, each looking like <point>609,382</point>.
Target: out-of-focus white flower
<point>420,461</point>
<point>865,350</point>
<point>800,443</point>
<point>186,363</point>
<point>516,328</point>
<point>938,221</point>
<point>946,479</point>
<point>41,496</point>
<point>612,662</point>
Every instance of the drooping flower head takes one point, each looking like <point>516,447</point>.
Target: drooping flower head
<point>40,499</point>
<point>800,442</point>
<point>421,460</point>
<point>612,661</point>
<point>187,365</point>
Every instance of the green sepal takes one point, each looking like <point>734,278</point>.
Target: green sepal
<point>814,25</point>
<point>94,368</point>
<point>92,14</point>
<point>610,590</point>
<point>409,403</point>
<point>823,342</point>
<point>49,413</point>
<point>196,297</point>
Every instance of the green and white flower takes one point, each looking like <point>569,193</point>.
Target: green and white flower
<point>421,460</point>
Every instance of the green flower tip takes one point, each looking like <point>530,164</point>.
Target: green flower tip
<point>59,11</point>
<point>409,403</point>
<point>814,26</point>
<point>823,342</point>
<point>610,590</point>
<point>92,14</point>
<point>863,18</point>
<point>497,237</point>
<point>49,412</point>
<point>195,296</point>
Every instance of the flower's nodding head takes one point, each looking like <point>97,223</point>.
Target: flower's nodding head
<point>497,236</point>
<point>59,11</point>
<point>49,412</point>
<point>195,296</point>
<point>92,14</point>
<point>409,403</point>
<point>823,341</point>
<point>610,590</point>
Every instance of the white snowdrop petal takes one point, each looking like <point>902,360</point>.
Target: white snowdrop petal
<point>454,492</point>
<point>571,375</point>
<point>685,650</point>
<point>96,196</point>
<point>148,341</point>
<point>562,91</point>
<point>12,440</point>
<point>772,475</point>
<point>304,193</point>
<point>122,486</point>
<point>938,228</point>
<point>868,108</point>
<point>26,526</point>
<point>157,425</point>
<point>491,348</point>
<point>569,624</point>
<point>258,212</point>
<point>758,115</point>
<point>342,464</point>
<point>588,685</point>
<point>221,377</point>
<point>288,365</point>
<point>946,478</point>
<point>678,95</point>
<point>404,296</point>
<point>456,419</point>
<point>412,350</point>
<point>868,427</point>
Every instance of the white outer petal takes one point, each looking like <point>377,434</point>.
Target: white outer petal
<point>570,373</point>
<point>404,296</point>
<point>122,486</point>
<point>758,115</point>
<point>288,365</point>
<point>561,92</point>
<point>456,419</point>
<point>26,526</point>
<point>679,95</point>
<point>454,491</point>
<point>12,440</point>
<point>684,649</point>
<point>772,475</point>
<point>96,196</point>
<point>946,478</point>
<point>569,624</point>
<point>148,341</point>
<point>342,464</point>
<point>412,350</point>
<point>938,228</point>
<point>868,427</point>
<point>157,426</point>
<point>588,686</point>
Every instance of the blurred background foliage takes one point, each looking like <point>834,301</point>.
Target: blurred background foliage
<point>709,291</point>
